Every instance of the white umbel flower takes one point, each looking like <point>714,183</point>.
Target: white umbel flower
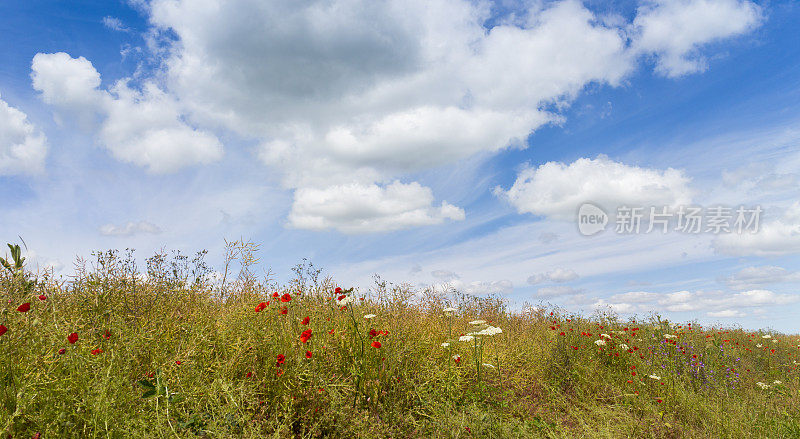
<point>763,386</point>
<point>623,346</point>
<point>489,365</point>
<point>369,316</point>
<point>655,377</point>
<point>766,336</point>
<point>600,342</point>
<point>466,338</point>
<point>490,331</point>
<point>478,322</point>
<point>445,345</point>
<point>605,336</point>
<point>670,336</point>
<point>449,310</point>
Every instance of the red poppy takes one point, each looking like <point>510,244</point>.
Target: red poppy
<point>376,344</point>
<point>308,354</point>
<point>281,360</point>
<point>659,401</point>
<point>25,307</point>
<point>457,359</point>
<point>178,362</point>
<point>286,298</point>
<point>280,372</point>
<point>72,338</point>
<point>276,295</point>
<point>305,335</point>
<point>3,329</point>
<point>337,290</point>
<point>561,333</point>
<point>344,308</point>
<point>42,297</point>
<point>331,331</point>
<point>575,347</point>
<point>107,334</point>
<point>62,351</point>
<point>249,374</point>
<point>97,351</point>
<point>340,298</point>
<point>373,333</point>
<point>261,306</point>
<point>284,310</point>
<point>305,320</point>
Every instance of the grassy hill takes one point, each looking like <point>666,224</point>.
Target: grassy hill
<point>167,353</point>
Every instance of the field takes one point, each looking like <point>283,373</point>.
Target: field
<point>171,352</point>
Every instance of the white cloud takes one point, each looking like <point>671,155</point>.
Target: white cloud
<point>556,189</point>
<point>557,275</point>
<point>777,237</point>
<point>22,147</point>
<point>444,275</point>
<point>555,291</point>
<point>754,277</point>
<point>483,288</point>
<point>356,208</point>
<point>144,127</point>
<point>130,228</point>
<point>726,313</point>
<point>675,30</point>
<point>634,297</point>
<point>115,23</point>
<point>687,301</point>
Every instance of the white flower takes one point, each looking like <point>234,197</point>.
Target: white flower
<point>345,300</point>
<point>477,322</point>
<point>489,365</point>
<point>777,382</point>
<point>670,336</point>
<point>605,336</point>
<point>445,345</point>
<point>655,377</point>
<point>775,340</point>
<point>623,346</point>
<point>491,330</point>
<point>466,338</point>
<point>762,385</point>
<point>766,336</point>
<point>600,342</point>
<point>449,310</point>
<point>758,345</point>
<point>369,316</point>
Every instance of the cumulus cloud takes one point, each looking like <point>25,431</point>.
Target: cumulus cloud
<point>674,30</point>
<point>356,208</point>
<point>556,189</point>
<point>130,228</point>
<point>144,127</point>
<point>755,277</point>
<point>22,147</point>
<point>557,275</point>
<point>718,302</point>
<point>776,237</point>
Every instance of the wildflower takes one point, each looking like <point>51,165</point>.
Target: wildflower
<point>305,335</point>
<point>489,365</point>
<point>62,351</point>
<point>284,310</point>
<point>659,401</point>
<point>281,360</point>
<point>3,329</point>
<point>279,372</point>
<point>449,310</point>
<point>376,344</point>
<point>343,300</point>
<point>490,331</point>
<point>331,331</point>
<point>763,386</point>
<point>775,340</point>
<point>561,333</point>
<point>337,290</point>
<point>97,351</point>
<point>777,382</point>
<point>445,345</point>
<point>276,295</point>
<point>25,307</point>
<point>286,298</point>
<point>623,346</point>
<point>249,374</point>
<point>369,316</point>
<point>42,297</point>
<point>308,354</point>
<point>477,322</point>
<point>655,377</point>
<point>261,306</point>
<point>670,336</point>
<point>372,333</point>
<point>457,358</point>
<point>605,336</point>
<point>305,321</point>
<point>107,334</point>
<point>178,362</point>
<point>466,338</point>
<point>600,342</point>
<point>766,336</point>
<point>72,338</point>
<point>759,345</point>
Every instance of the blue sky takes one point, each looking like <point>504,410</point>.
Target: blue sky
<point>442,144</point>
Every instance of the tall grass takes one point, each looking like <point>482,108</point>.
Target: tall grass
<point>169,353</point>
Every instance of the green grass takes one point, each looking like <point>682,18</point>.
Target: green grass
<point>228,382</point>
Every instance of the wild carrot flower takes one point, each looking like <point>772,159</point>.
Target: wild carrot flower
<point>25,307</point>
<point>655,377</point>
<point>763,386</point>
<point>369,316</point>
<point>766,336</point>
<point>489,365</point>
<point>376,344</point>
<point>670,336</point>
<point>777,382</point>
<point>623,346</point>
<point>477,322</point>
<point>600,342</point>
<point>445,345</point>
<point>3,329</point>
<point>72,338</point>
<point>605,336</point>
<point>490,331</point>
<point>305,321</point>
<point>466,338</point>
<point>759,345</point>
<point>305,335</point>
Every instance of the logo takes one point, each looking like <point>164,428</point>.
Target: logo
<point>591,219</point>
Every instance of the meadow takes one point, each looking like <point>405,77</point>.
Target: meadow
<point>170,351</point>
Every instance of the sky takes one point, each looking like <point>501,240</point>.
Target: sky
<point>442,144</point>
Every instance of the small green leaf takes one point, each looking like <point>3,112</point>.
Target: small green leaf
<point>145,383</point>
<point>148,394</point>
